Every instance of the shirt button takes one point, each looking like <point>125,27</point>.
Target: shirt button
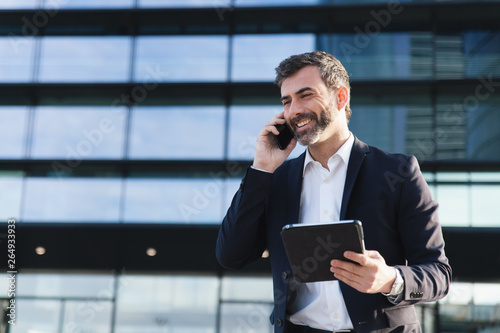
<point>326,181</point>
<point>336,316</point>
<point>326,212</point>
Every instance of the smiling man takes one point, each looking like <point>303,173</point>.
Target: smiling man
<point>337,178</point>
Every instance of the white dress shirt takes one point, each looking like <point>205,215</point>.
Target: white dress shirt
<point>321,304</point>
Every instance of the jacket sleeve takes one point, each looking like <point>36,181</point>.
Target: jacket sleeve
<point>428,274</point>
<point>242,236</point>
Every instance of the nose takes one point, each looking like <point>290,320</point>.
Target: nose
<point>295,109</point>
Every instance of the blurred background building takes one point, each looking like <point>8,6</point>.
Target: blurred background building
<point>125,126</point>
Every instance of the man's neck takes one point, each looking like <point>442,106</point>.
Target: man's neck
<point>323,150</point>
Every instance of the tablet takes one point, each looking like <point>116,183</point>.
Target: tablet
<point>311,247</point>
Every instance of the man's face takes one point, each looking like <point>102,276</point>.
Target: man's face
<point>309,105</point>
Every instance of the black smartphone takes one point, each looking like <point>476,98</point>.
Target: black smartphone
<point>286,135</point>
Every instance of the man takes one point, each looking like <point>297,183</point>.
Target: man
<point>337,178</point>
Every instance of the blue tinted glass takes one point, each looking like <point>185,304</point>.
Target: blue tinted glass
<point>10,196</point>
<point>177,133</point>
<point>65,285</point>
<point>244,3</point>
<point>482,53</point>
<point>18,4</point>
<point>381,55</point>
<point>72,200</point>
<point>188,303</point>
<point>88,4</point>
<point>16,63</point>
<point>90,315</point>
<point>183,3</point>
<point>181,58</point>
<point>380,126</point>
<point>13,121</point>
<point>174,200</point>
<point>484,203</point>
<point>246,122</point>
<point>85,59</point>
<point>454,205</point>
<point>78,133</point>
<point>37,316</point>
<point>253,60</point>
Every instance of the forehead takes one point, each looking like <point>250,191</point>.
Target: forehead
<point>306,77</point>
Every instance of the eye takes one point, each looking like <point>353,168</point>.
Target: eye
<point>286,102</point>
<point>306,95</point>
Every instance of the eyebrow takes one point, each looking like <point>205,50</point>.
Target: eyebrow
<point>298,92</point>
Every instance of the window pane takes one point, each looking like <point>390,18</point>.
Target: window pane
<point>12,128</point>
<point>16,63</point>
<point>247,289</point>
<point>454,205</point>
<point>177,133</point>
<point>88,316</point>
<point>181,58</point>
<point>65,285</point>
<point>246,122</point>
<point>383,127</point>
<point>88,4</point>
<point>253,61</point>
<point>482,52</point>
<point>381,55</point>
<point>10,196</point>
<point>183,3</point>
<point>18,4</point>
<point>252,317</point>
<point>84,59</point>
<point>72,199</point>
<point>173,200</point>
<point>244,3</point>
<point>36,316</point>
<point>485,207</point>
<point>159,304</point>
<point>78,133</point>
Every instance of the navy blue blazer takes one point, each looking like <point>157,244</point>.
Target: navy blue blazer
<point>387,192</point>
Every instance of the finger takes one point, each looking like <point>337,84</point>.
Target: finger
<point>361,259</point>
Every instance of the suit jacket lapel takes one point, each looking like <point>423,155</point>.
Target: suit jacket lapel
<point>295,188</point>
<point>358,153</point>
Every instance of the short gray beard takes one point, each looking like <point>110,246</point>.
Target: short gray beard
<point>313,136</point>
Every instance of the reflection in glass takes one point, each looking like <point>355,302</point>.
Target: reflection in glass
<point>85,59</point>
<point>252,60</point>
<point>18,4</point>
<point>183,3</point>
<point>181,58</point>
<point>177,133</point>
<point>36,316</point>
<point>484,205</point>
<point>454,205</point>
<point>91,315</point>
<point>160,304</point>
<point>78,133</point>
<point>245,124</point>
<point>173,200</point>
<point>16,64</point>
<point>72,200</point>
<point>10,195</point>
<point>88,4</point>
<point>12,131</point>
<point>247,288</point>
<point>66,285</point>
<point>242,316</point>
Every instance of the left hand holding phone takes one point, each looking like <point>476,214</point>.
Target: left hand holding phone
<point>268,156</point>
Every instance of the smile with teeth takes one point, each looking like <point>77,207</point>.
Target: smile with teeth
<point>303,123</point>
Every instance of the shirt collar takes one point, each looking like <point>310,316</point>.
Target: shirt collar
<point>344,152</point>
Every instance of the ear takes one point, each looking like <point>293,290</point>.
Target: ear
<point>342,97</point>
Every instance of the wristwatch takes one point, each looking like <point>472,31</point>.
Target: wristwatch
<point>398,285</point>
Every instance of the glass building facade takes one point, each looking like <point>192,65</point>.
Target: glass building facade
<point>136,116</point>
